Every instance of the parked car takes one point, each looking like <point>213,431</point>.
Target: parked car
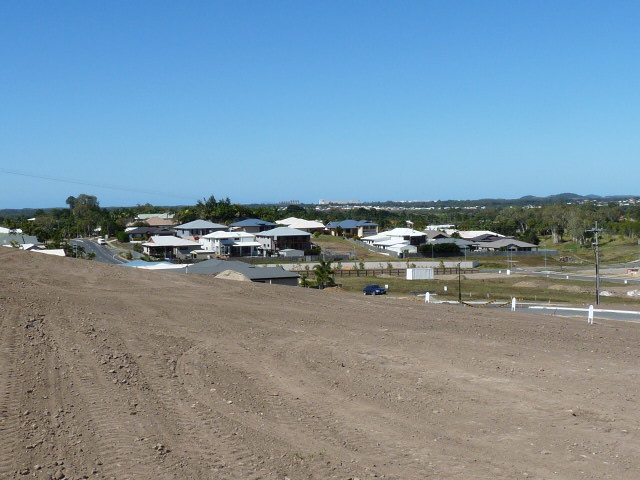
<point>374,290</point>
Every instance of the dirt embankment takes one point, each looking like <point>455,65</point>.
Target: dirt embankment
<point>108,372</point>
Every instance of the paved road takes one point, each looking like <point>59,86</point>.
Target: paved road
<point>103,253</point>
<point>606,314</point>
<point>565,311</point>
<point>585,278</point>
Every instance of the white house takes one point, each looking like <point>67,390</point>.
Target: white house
<point>302,224</point>
<point>473,234</point>
<point>198,228</point>
<point>397,236</point>
<point>233,244</point>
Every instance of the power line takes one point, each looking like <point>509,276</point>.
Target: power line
<point>95,184</point>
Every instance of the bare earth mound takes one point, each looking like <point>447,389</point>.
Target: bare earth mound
<point>110,372</point>
<point>233,275</point>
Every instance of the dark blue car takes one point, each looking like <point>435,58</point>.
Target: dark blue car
<point>374,290</point>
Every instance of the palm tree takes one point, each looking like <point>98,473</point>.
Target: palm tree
<point>324,273</point>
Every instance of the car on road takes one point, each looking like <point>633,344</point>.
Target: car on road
<point>102,241</point>
<point>374,290</point>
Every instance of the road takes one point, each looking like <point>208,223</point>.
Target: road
<point>103,253</point>
<point>585,278</point>
<point>604,314</point>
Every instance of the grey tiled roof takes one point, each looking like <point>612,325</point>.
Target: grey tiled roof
<point>253,273</point>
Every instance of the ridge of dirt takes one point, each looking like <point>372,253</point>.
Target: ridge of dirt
<point>116,373</point>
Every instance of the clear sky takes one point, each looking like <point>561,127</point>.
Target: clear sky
<point>268,101</point>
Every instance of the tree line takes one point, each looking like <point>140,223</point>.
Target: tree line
<point>561,221</point>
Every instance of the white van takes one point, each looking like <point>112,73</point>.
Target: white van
<point>102,241</point>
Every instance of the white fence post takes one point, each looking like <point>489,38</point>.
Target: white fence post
<point>590,317</point>
<point>513,304</point>
<point>427,297</point>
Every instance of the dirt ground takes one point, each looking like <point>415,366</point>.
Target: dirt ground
<point>111,372</point>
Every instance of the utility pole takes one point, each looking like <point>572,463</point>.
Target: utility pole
<point>597,230</point>
<point>459,285</point>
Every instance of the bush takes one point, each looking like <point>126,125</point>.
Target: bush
<point>439,248</point>
<point>122,237</point>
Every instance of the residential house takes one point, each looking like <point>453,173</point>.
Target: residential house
<point>435,234</point>
<point>198,228</point>
<point>139,234</point>
<point>397,235</point>
<point>232,244</point>
<point>353,228</point>
<point>260,274</point>
<point>485,237</point>
<point>252,225</point>
<point>160,222</point>
<point>310,226</point>
<point>154,220</point>
<point>280,238</point>
<point>147,216</point>
<point>25,242</point>
<point>505,244</point>
<point>475,235</point>
<point>398,240</point>
<point>9,231</point>
<point>169,247</point>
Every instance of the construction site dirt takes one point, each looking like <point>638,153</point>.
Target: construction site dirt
<point>116,373</point>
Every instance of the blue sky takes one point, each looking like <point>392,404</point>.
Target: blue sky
<point>267,101</point>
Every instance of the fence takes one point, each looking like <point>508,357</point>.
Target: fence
<point>334,257</point>
<point>501,253</point>
<point>392,272</point>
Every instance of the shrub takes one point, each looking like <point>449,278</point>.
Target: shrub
<point>439,248</point>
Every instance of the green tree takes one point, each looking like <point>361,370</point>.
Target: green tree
<point>324,274</point>
<point>86,212</point>
<point>206,208</point>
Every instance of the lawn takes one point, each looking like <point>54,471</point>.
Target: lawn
<point>612,250</point>
<point>342,245</point>
<point>534,289</point>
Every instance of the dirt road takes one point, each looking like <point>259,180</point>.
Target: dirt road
<point>110,372</point>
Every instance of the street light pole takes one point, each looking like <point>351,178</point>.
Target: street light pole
<point>597,230</point>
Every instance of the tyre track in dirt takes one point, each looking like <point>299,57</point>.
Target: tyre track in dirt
<point>327,420</point>
<point>110,431</point>
<point>343,428</point>
<point>270,409</point>
<point>206,436</point>
<point>10,393</point>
